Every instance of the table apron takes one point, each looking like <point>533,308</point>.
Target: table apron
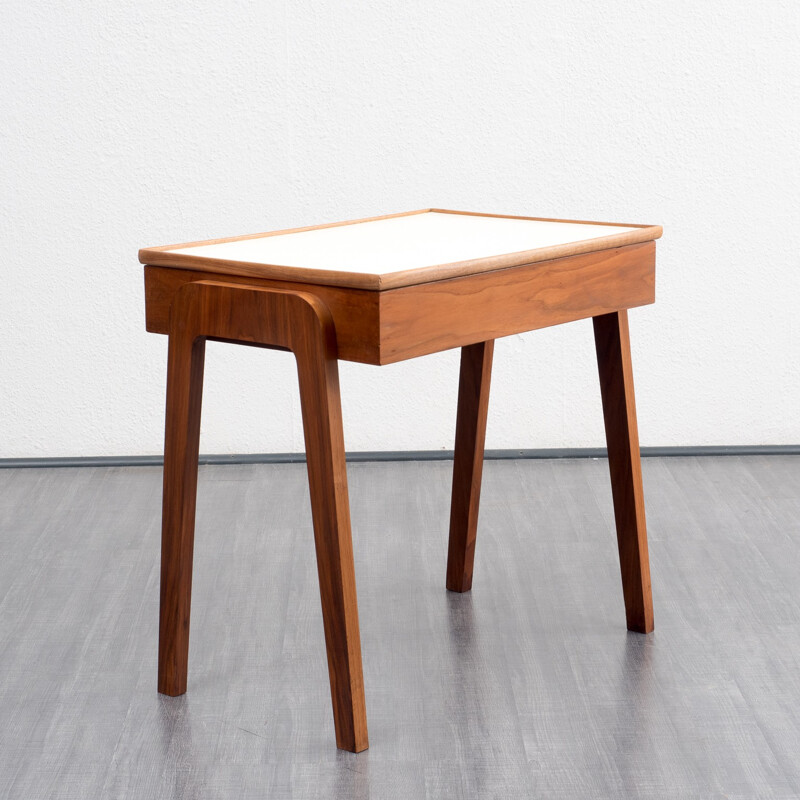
<point>383,327</point>
<point>430,317</point>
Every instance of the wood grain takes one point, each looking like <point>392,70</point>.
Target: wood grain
<point>545,219</point>
<point>612,341</point>
<point>300,323</point>
<point>181,443</point>
<point>417,320</point>
<point>166,257</point>
<point>355,312</point>
<point>320,323</point>
<point>168,247</point>
<point>375,327</point>
<point>473,406</point>
<point>327,474</point>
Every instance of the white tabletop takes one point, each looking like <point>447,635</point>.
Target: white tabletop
<point>383,248</point>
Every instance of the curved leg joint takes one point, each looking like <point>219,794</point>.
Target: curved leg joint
<point>299,322</point>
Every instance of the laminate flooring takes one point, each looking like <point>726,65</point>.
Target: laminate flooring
<point>529,686</point>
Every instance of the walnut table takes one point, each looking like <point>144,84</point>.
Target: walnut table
<point>378,291</point>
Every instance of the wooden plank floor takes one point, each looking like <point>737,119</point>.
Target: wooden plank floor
<point>529,686</point>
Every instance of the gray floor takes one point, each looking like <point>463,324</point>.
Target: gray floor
<point>527,687</point>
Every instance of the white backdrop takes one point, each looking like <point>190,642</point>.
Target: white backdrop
<point>138,123</point>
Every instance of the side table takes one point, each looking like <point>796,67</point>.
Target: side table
<point>378,291</point>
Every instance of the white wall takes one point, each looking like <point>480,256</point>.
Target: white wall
<point>137,123</point>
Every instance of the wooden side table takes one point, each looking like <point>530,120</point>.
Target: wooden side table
<point>378,291</point>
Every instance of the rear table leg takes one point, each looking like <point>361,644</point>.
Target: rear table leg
<point>473,406</point>
<point>612,342</point>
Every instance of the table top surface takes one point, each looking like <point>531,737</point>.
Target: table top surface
<point>398,250</point>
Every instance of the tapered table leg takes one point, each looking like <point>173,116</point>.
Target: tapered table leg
<point>181,443</point>
<point>301,323</point>
<point>612,342</point>
<point>473,406</point>
<point>330,507</point>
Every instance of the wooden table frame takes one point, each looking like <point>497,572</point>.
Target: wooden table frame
<point>321,323</point>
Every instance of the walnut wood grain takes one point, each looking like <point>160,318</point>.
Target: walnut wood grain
<point>181,442</point>
<point>383,327</point>
<point>145,251</point>
<point>540,219</point>
<point>427,318</point>
<point>355,312</point>
<point>612,341</point>
<point>319,323</point>
<point>473,406</point>
<point>166,256</point>
<point>300,323</point>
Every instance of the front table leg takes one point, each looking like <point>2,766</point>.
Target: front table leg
<point>473,407</point>
<point>612,342</point>
<point>301,323</point>
<point>330,509</point>
<point>181,444</point>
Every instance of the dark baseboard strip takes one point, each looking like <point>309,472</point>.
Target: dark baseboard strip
<point>404,455</point>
